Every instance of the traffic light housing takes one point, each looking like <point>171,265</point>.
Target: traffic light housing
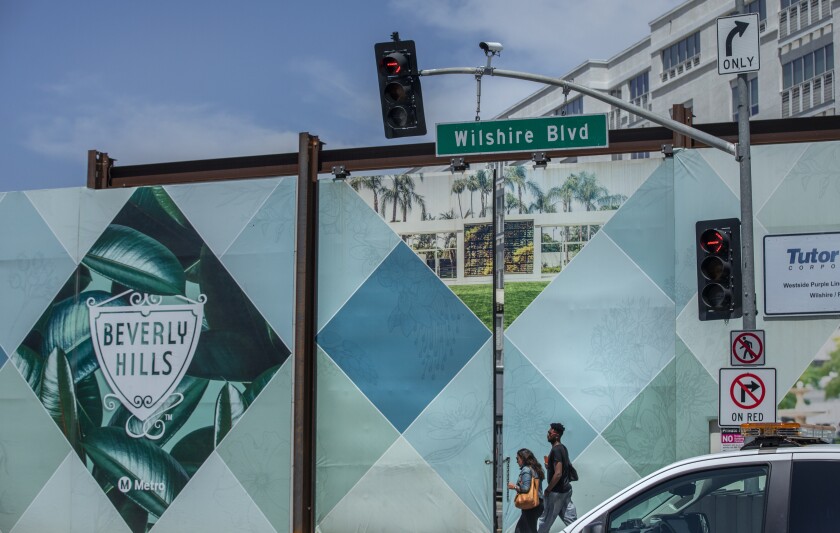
<point>719,293</point>
<point>399,89</point>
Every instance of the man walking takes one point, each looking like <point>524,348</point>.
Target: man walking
<point>558,493</point>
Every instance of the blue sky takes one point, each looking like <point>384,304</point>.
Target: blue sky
<point>159,81</point>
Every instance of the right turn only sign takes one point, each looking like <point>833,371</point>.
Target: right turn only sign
<point>747,395</point>
<point>738,48</point>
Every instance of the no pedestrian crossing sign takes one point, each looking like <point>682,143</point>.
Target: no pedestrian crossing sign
<point>746,347</point>
<point>737,40</point>
<point>746,395</point>
<point>521,135</point>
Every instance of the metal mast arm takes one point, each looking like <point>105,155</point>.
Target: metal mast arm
<point>688,131</point>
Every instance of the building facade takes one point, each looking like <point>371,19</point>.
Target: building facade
<point>677,64</point>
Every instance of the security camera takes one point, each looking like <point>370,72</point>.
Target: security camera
<point>488,47</point>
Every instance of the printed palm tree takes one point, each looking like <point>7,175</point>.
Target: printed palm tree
<point>512,202</point>
<point>371,183</point>
<point>566,192</point>
<point>450,240</point>
<point>472,186</point>
<point>458,187</point>
<point>543,202</point>
<point>588,192</point>
<point>611,202</point>
<point>485,187</point>
<point>401,194</point>
<point>515,179</point>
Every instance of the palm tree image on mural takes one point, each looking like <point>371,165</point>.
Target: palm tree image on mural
<point>148,356</point>
<point>815,397</point>
<point>535,200</point>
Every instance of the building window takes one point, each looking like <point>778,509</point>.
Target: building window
<point>575,107</point>
<point>760,7</point>
<point>639,86</point>
<point>752,98</point>
<point>640,155</point>
<point>681,52</point>
<point>808,81</point>
<point>807,67</point>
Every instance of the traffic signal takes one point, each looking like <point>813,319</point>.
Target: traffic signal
<point>399,89</point>
<point>719,269</point>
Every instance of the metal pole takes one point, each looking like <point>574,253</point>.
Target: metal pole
<point>673,125</point>
<point>303,385</point>
<point>499,488</point>
<point>745,162</point>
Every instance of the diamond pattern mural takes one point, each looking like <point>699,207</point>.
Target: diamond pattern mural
<point>149,356</point>
<point>424,336</point>
<point>611,348</point>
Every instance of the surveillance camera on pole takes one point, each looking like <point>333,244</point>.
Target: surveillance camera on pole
<point>490,47</point>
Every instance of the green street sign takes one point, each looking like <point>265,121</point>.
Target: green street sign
<point>522,135</point>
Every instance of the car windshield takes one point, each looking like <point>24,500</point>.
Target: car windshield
<point>701,502</point>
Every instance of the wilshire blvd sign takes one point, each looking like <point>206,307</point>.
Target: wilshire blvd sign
<point>522,135</point>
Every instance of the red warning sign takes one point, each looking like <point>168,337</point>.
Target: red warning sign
<point>747,391</point>
<point>747,348</point>
<point>746,396</point>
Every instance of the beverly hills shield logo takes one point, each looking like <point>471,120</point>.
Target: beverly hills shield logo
<point>144,349</point>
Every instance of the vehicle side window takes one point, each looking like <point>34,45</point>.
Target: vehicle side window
<point>813,496</point>
<point>710,501</point>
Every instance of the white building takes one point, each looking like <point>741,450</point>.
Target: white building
<point>677,64</point>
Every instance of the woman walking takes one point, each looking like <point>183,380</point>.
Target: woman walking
<point>529,468</point>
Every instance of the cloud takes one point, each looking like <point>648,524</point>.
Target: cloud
<point>550,33</point>
<point>136,132</point>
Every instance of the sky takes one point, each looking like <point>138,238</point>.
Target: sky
<point>159,81</point>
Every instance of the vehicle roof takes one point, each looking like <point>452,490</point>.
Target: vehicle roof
<point>715,457</point>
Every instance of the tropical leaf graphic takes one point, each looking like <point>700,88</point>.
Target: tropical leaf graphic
<point>78,282</point>
<point>192,450</point>
<point>89,404</point>
<point>231,356</point>
<point>68,328</point>
<point>230,309</point>
<point>152,212</point>
<point>29,363</point>
<point>230,406</point>
<point>257,386</point>
<point>133,259</point>
<point>59,396</point>
<point>116,456</point>
<point>135,516</point>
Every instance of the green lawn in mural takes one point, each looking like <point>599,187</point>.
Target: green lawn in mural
<point>143,398</point>
<point>479,298</point>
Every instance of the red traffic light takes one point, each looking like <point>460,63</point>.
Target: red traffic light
<point>713,241</point>
<point>394,64</point>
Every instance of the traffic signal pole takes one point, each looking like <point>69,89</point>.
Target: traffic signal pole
<point>673,125</point>
<point>745,161</point>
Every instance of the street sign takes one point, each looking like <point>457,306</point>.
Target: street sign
<point>737,40</point>
<point>731,439</point>
<point>522,135</point>
<point>802,274</point>
<point>746,348</point>
<point>746,396</point>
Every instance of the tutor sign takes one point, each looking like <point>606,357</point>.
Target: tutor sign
<point>802,274</point>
